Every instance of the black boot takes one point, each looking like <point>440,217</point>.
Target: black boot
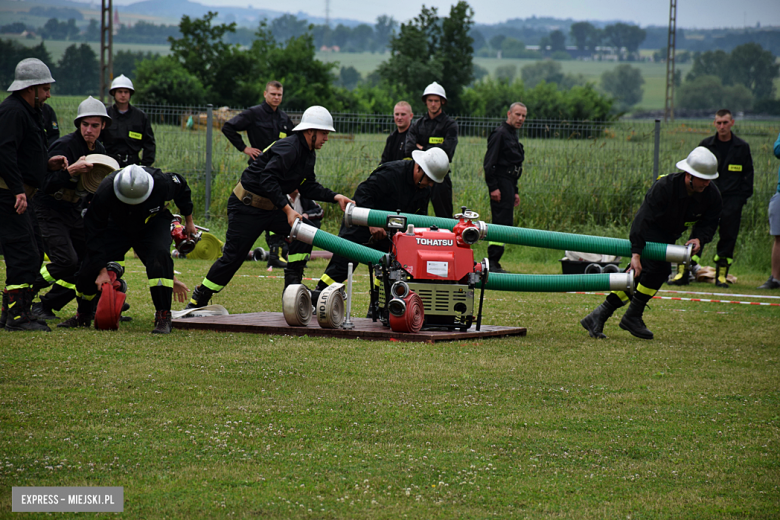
<point>200,297</point>
<point>4,315</point>
<point>683,276</point>
<point>79,320</point>
<point>275,259</point>
<point>594,322</point>
<point>632,319</point>
<point>18,316</point>
<point>41,312</point>
<point>494,256</point>
<point>721,274</point>
<point>162,322</point>
<point>293,275</point>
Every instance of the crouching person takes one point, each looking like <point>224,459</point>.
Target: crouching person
<point>129,211</point>
<point>673,203</point>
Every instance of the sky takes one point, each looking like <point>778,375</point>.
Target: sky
<point>699,14</point>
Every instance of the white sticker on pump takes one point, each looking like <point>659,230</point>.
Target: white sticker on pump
<point>438,268</point>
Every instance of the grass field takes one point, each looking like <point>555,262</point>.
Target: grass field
<point>551,425</point>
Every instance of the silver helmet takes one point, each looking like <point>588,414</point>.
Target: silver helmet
<point>30,72</point>
<point>133,184</point>
<point>91,107</point>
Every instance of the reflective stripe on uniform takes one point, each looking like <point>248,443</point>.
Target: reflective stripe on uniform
<point>46,275</point>
<point>161,282</point>
<point>87,297</point>
<point>327,279</point>
<point>15,287</point>
<point>299,257</point>
<point>211,285</point>
<point>622,295</point>
<point>646,290</point>
<point>500,244</point>
<point>63,283</point>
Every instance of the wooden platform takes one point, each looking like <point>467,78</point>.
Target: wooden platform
<point>365,328</point>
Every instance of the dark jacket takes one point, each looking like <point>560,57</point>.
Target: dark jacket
<point>50,124</point>
<point>286,166</point>
<point>72,146</point>
<point>394,147</point>
<point>263,126</point>
<point>441,132</point>
<point>504,157</point>
<point>107,215</point>
<point>311,208</point>
<point>23,156</point>
<point>735,171</point>
<point>391,187</point>
<point>668,210</point>
<point>128,134</point>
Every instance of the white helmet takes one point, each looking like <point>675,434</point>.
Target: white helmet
<point>436,89</point>
<point>133,184</point>
<point>121,81</point>
<point>700,163</point>
<point>91,107</point>
<point>434,163</point>
<point>317,118</point>
<point>30,72</point>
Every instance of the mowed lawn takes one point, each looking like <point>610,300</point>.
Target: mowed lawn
<point>550,425</point>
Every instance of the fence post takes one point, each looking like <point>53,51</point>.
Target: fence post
<point>656,148</point>
<point>209,120</point>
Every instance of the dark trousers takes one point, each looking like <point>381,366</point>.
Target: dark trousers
<point>502,213</point>
<point>21,251</point>
<point>730,220</point>
<point>245,225</point>
<point>152,244</point>
<point>336,272</point>
<point>63,234</point>
<point>441,198</point>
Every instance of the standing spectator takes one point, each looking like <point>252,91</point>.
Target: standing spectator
<point>672,203</point>
<point>503,167</point>
<point>50,124</point>
<point>23,165</point>
<point>131,132</point>
<point>735,182</point>
<point>394,147</point>
<point>129,211</point>
<point>435,129</point>
<point>264,123</point>
<point>774,230</point>
<point>259,202</point>
<point>58,206</point>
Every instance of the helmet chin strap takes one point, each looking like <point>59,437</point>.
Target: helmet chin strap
<point>690,181</point>
<point>313,138</point>
<point>37,101</point>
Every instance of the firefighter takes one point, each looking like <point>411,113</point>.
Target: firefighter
<point>673,202</point>
<point>435,130</point>
<point>503,166</point>
<point>394,185</point>
<point>58,207</point>
<point>394,146</point>
<point>131,131</point>
<point>129,210</point>
<point>259,202</point>
<point>23,166</point>
<point>264,124</point>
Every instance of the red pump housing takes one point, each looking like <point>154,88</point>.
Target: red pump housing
<point>434,254</point>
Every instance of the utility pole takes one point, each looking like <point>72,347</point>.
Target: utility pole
<point>106,47</point>
<point>671,43</point>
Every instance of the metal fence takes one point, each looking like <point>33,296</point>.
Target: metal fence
<point>574,171</point>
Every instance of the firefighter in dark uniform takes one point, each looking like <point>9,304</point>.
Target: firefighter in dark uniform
<point>435,129</point>
<point>394,146</point>
<point>259,202</point>
<point>129,210</point>
<point>264,124</point>
<point>735,182</point>
<point>673,203</point>
<point>58,206</point>
<point>50,124</point>
<point>394,185</point>
<point>23,165</point>
<point>130,131</point>
<point>503,167</point>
